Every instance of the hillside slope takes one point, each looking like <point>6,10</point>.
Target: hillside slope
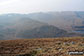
<point>64,20</point>
<point>42,46</point>
<point>17,26</point>
<point>43,31</point>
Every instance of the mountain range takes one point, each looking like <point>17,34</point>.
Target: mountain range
<point>64,20</point>
<point>39,25</point>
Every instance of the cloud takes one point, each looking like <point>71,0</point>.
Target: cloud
<point>5,2</point>
<point>29,6</point>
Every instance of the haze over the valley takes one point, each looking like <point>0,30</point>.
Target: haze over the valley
<point>31,6</point>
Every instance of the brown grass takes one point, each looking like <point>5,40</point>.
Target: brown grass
<point>42,46</point>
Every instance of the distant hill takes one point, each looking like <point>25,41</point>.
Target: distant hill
<point>43,31</point>
<point>38,25</point>
<point>19,26</point>
<point>64,20</point>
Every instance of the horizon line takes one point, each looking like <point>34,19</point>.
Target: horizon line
<point>37,12</point>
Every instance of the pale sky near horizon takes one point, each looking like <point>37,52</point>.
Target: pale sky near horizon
<point>30,6</point>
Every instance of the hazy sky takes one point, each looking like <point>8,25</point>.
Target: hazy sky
<point>29,6</point>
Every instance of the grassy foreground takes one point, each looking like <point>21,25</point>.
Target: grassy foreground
<point>41,46</point>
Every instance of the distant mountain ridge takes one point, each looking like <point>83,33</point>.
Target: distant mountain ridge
<point>38,25</point>
<point>64,20</point>
<point>15,26</point>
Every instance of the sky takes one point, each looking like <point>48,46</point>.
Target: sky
<point>31,6</point>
